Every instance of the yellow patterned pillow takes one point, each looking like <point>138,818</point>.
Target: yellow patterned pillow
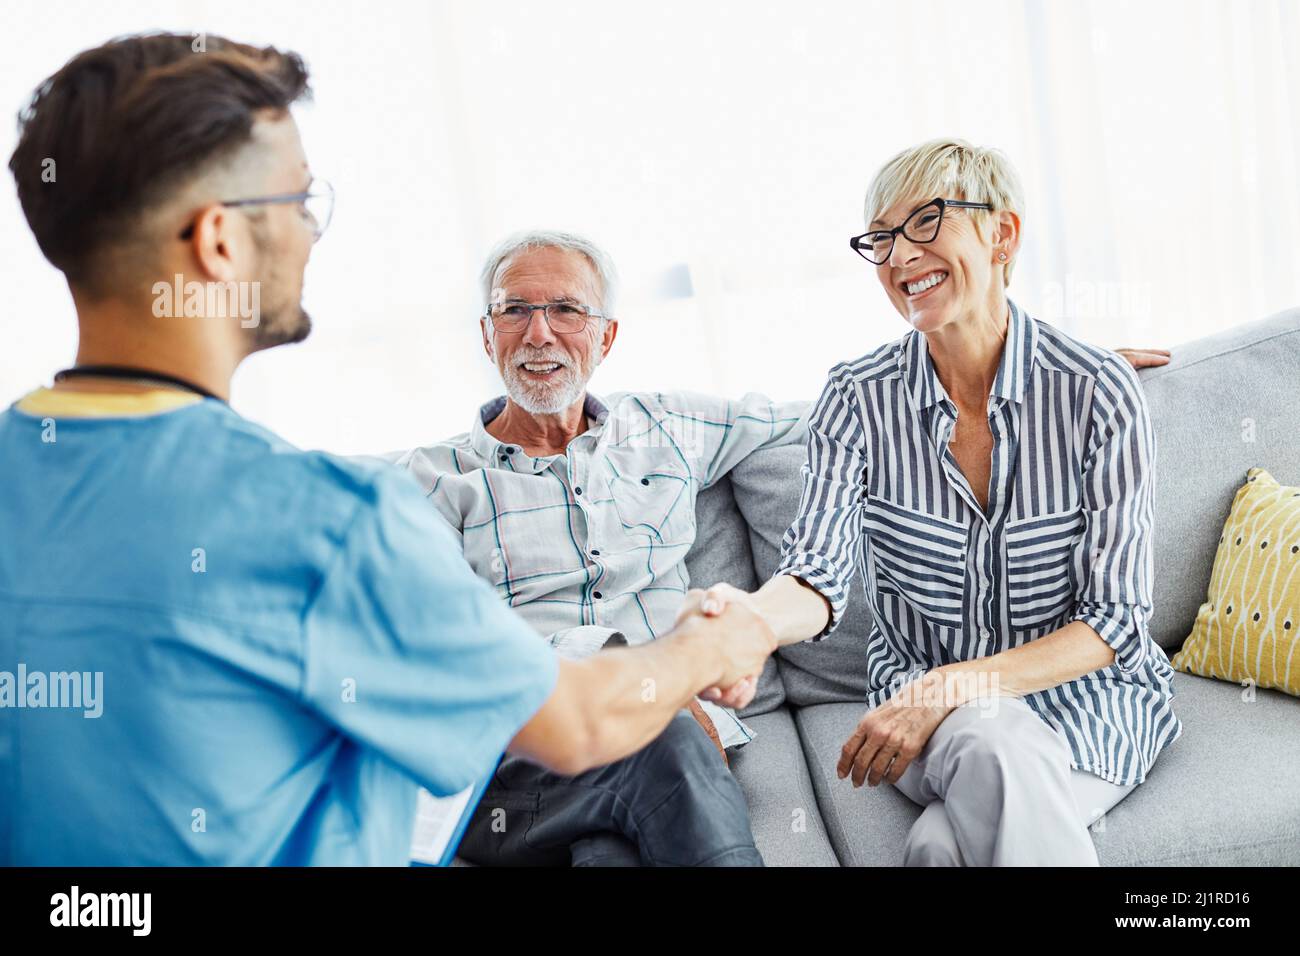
<point>1249,626</point>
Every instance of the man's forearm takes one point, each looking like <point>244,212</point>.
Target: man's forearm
<point>612,704</point>
<point>635,691</point>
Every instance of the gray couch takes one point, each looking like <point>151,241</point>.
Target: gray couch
<point>1226,792</point>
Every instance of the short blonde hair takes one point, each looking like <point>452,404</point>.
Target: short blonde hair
<point>950,169</point>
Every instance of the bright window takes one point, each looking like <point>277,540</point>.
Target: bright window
<point>720,151</point>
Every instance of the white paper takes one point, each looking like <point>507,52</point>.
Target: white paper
<point>436,819</point>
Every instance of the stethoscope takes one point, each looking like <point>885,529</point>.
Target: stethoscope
<point>125,372</point>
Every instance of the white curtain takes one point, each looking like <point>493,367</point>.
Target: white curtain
<point>721,151</point>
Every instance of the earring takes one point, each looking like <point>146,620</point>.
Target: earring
<point>1002,257</point>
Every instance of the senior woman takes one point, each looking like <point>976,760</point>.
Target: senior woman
<point>991,478</point>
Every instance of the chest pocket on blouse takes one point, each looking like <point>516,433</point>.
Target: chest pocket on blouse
<point>1040,586</point>
<point>658,504</point>
<point>920,556</point>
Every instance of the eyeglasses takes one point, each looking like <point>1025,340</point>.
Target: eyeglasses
<point>564,318</point>
<point>317,206</point>
<point>921,226</point>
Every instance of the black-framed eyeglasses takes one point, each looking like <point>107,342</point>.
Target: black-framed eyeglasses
<point>564,318</point>
<point>317,206</point>
<point>921,226</point>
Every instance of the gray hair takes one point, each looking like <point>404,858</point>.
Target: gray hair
<point>601,263</point>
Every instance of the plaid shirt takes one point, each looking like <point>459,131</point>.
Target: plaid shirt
<point>591,543</point>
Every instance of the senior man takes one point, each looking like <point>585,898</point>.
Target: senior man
<point>580,511</point>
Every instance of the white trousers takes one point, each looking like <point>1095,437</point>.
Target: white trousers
<point>998,790</point>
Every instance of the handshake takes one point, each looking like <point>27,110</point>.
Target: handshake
<point>729,622</point>
<point>715,652</point>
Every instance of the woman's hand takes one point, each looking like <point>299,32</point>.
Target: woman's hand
<point>897,731</point>
<point>714,601</point>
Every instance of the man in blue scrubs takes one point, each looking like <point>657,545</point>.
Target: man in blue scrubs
<point>215,648</point>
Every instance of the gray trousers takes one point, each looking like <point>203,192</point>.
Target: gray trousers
<point>673,803</point>
<point>998,790</point>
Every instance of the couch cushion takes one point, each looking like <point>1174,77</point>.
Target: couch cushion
<point>721,553</point>
<point>1224,793</point>
<point>867,826</point>
<point>1222,405</point>
<point>767,488</point>
<point>782,806</point>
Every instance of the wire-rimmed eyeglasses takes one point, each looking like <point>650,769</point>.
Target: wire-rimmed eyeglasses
<point>317,206</point>
<point>564,318</point>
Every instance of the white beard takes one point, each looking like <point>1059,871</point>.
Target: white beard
<point>566,387</point>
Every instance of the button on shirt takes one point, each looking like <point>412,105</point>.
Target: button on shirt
<point>285,644</point>
<point>592,542</point>
<point>1067,535</point>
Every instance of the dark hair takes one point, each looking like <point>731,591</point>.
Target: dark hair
<point>127,122</point>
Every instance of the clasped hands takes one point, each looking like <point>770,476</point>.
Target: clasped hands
<point>742,679</point>
<point>886,740</point>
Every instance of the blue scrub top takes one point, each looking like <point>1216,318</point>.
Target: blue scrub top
<point>284,643</point>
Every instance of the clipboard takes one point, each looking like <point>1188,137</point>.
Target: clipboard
<point>440,823</point>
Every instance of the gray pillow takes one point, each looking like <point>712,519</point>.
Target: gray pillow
<point>1222,405</point>
<point>721,553</point>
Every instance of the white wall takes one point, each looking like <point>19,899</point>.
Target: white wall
<point>720,151</point>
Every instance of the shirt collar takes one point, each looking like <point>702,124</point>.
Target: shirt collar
<point>68,403</point>
<point>490,449</point>
<point>1014,367</point>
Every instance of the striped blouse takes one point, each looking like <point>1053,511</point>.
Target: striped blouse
<point>1067,535</point>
